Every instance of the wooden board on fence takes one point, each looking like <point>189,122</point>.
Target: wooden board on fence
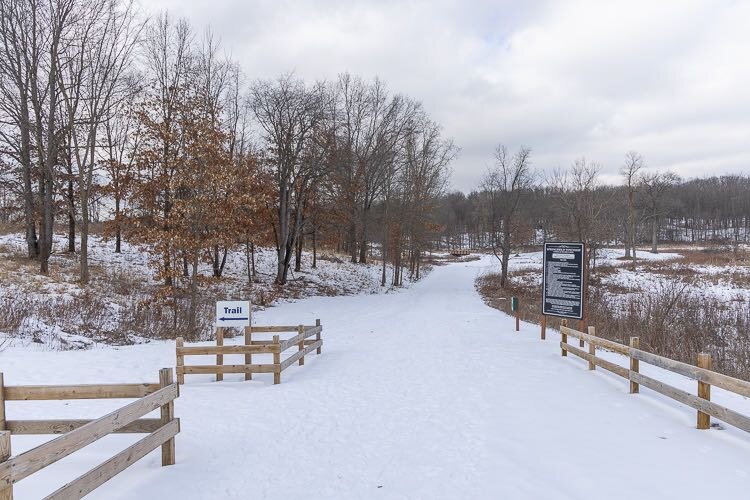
<point>598,361</point>
<point>297,355</point>
<point>262,348</point>
<point>726,382</point>
<point>91,480</point>
<point>213,369</point>
<point>29,462</point>
<point>729,416</point>
<point>26,427</point>
<point>86,391</point>
<point>597,341</point>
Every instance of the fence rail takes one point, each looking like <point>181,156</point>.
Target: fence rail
<point>77,434</point>
<point>701,373</point>
<point>303,341</point>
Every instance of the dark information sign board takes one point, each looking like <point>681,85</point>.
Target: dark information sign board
<point>562,285</point>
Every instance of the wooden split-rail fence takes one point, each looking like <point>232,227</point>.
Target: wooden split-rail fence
<point>76,434</point>
<point>302,340</point>
<point>702,373</point>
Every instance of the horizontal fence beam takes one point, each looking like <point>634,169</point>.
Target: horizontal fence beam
<point>214,369</point>
<point>297,355</point>
<point>713,378</point>
<point>84,391</point>
<point>293,341</point>
<point>91,480</point>
<point>33,427</point>
<point>276,329</point>
<point>34,460</point>
<point>260,348</point>
<point>725,414</point>
<point>597,341</point>
<point>598,361</point>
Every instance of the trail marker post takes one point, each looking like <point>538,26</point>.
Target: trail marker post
<point>514,307</point>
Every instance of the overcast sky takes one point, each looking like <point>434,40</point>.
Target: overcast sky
<point>670,79</point>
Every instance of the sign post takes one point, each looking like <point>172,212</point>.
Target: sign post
<point>562,285</point>
<point>232,313</point>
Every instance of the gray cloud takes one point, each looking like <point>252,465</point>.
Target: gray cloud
<point>567,78</point>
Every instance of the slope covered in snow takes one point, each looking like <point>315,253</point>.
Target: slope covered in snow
<point>426,393</point>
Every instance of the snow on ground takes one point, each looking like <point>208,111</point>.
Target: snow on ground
<point>122,283</point>
<point>426,393</point>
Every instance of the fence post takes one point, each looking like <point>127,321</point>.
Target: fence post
<point>516,306</point>
<point>581,324</point>
<point>317,335</point>
<point>180,364</point>
<point>634,365</point>
<point>5,493</point>
<point>564,324</point>
<point>167,415</point>
<point>301,344</point>
<point>544,326</point>
<point>219,357</point>
<point>704,391</point>
<point>592,348</point>
<point>276,360</point>
<point>248,356</point>
<point>2,403</point>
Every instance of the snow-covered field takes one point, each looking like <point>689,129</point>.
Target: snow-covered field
<point>425,393</point>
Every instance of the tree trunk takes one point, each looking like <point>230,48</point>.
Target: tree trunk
<point>363,241</point>
<point>71,213</point>
<point>118,229</point>
<point>654,234</point>
<point>298,253</point>
<point>315,248</point>
<point>193,308</point>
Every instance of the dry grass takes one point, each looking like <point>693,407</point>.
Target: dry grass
<point>672,321</point>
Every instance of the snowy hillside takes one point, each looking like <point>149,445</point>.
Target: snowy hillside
<point>54,312</point>
<point>424,393</point>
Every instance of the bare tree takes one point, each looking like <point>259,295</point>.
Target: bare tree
<point>655,186</point>
<point>629,171</point>
<point>288,113</point>
<point>92,82</point>
<point>505,183</point>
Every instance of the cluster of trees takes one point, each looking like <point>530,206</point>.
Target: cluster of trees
<point>146,124</point>
<point>517,206</point>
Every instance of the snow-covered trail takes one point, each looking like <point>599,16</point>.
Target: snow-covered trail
<point>426,393</point>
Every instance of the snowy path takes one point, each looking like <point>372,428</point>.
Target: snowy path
<point>426,393</point>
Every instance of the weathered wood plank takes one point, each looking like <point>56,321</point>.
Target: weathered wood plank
<point>299,354</point>
<point>61,426</point>
<point>729,416</point>
<point>598,341</point>
<point>312,330</point>
<point>99,475</point>
<point>274,329</point>
<point>29,462</point>
<point>6,492</point>
<point>84,391</point>
<point>267,348</point>
<point>598,361</point>
<point>248,355</point>
<point>212,369</point>
<point>167,415</point>
<point>726,382</point>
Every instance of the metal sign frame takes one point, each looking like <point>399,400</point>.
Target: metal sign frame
<point>579,275</point>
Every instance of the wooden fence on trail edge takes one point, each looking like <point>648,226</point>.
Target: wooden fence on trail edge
<point>701,373</point>
<point>77,434</point>
<point>275,346</point>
